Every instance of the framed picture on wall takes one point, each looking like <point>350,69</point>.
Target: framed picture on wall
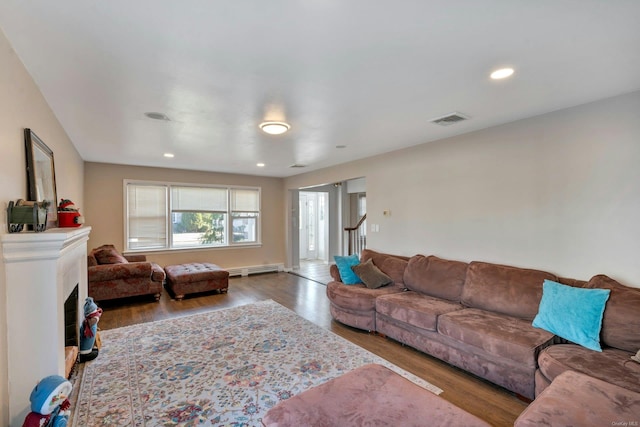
<point>41,175</point>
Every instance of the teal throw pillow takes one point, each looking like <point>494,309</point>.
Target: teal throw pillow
<point>574,314</point>
<point>344,264</point>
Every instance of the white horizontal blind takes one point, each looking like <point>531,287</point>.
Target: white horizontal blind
<point>147,216</point>
<point>198,199</point>
<point>170,216</point>
<point>245,200</point>
<point>245,210</point>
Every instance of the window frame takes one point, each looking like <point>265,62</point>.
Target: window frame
<point>169,243</point>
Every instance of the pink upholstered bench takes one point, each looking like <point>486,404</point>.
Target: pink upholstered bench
<point>371,395</point>
<point>183,279</point>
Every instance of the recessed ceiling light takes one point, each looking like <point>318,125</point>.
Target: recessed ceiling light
<point>169,155</point>
<point>274,128</point>
<point>502,73</point>
<point>157,116</point>
<point>260,165</point>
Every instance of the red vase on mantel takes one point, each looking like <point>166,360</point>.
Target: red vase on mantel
<point>68,214</point>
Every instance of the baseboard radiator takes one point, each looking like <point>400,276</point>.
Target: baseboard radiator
<point>255,269</point>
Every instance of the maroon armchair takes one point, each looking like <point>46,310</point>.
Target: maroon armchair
<point>112,275</point>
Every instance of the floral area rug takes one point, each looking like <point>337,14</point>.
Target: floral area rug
<point>221,368</point>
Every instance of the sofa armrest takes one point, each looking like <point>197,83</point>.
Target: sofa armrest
<point>157,274</point>
<point>335,273</point>
<point>100,273</point>
<point>136,258</point>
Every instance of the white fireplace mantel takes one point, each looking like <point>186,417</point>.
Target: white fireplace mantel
<point>41,270</point>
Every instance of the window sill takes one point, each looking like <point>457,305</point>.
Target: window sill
<point>194,249</point>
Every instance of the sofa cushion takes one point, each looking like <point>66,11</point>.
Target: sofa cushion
<point>435,276</point>
<point>379,257</point>
<point>108,255</point>
<point>357,297</point>
<point>371,275</point>
<point>504,289</point>
<point>572,282</point>
<point>572,313</point>
<point>344,264</point>
<point>391,265</point>
<point>611,365</point>
<point>621,321</point>
<point>394,268</point>
<point>129,271</point>
<point>415,309</point>
<point>497,334</point>
<point>575,399</point>
<point>91,260</point>
<point>136,258</point>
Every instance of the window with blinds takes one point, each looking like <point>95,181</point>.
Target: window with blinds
<point>245,210</point>
<point>168,216</point>
<point>146,216</point>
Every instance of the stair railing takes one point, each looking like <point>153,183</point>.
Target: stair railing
<point>357,236</point>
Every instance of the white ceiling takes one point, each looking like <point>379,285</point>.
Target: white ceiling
<point>367,74</point>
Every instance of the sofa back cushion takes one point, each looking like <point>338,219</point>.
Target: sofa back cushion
<point>107,255</point>
<point>621,321</point>
<point>91,260</point>
<point>391,265</point>
<point>435,276</point>
<point>576,283</point>
<point>370,275</point>
<point>504,289</point>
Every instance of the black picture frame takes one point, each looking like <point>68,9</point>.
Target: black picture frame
<point>41,175</point>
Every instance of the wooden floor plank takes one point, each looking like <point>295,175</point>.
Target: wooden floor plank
<point>308,298</point>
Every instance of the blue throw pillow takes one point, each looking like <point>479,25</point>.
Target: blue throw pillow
<point>574,314</point>
<point>344,264</point>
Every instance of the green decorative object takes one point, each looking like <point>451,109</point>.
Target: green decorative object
<point>23,212</point>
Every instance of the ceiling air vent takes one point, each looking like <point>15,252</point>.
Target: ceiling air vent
<point>296,165</point>
<point>449,119</point>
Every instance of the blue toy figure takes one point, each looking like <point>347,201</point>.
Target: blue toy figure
<point>88,330</point>
<point>49,403</point>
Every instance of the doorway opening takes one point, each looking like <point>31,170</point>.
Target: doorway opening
<point>317,216</point>
<point>314,227</point>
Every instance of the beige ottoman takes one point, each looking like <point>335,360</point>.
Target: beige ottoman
<point>371,395</point>
<point>184,279</point>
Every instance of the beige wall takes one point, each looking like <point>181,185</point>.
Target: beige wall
<point>105,204</point>
<point>22,106</point>
<point>559,192</point>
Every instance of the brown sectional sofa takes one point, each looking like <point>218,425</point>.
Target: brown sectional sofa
<point>112,275</point>
<point>478,315</point>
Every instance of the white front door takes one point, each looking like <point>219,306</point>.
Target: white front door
<point>313,225</point>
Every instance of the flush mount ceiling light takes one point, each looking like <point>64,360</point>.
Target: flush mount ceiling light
<point>502,73</point>
<point>169,155</point>
<point>274,128</point>
<point>157,116</point>
<point>260,165</point>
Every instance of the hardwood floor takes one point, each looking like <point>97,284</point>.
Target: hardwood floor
<point>307,298</point>
<point>316,270</point>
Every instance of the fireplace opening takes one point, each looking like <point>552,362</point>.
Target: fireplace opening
<point>71,332</point>
<point>71,326</point>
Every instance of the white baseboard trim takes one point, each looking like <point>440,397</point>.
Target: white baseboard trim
<point>255,269</point>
